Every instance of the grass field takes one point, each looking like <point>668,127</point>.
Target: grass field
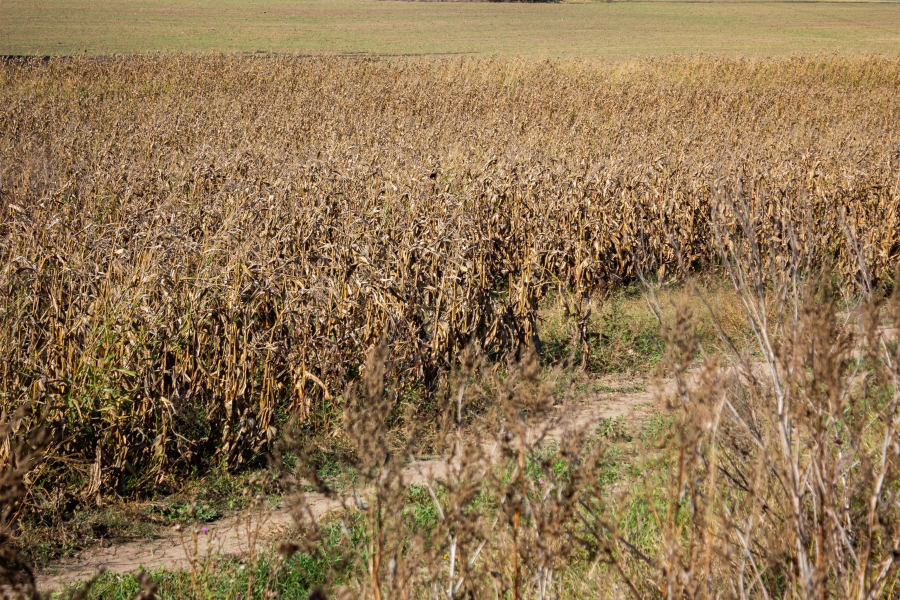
<point>616,30</point>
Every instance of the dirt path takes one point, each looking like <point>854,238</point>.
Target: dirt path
<point>603,398</point>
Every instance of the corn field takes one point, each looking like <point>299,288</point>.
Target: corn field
<point>196,248</point>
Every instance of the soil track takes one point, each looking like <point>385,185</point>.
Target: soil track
<point>231,536</point>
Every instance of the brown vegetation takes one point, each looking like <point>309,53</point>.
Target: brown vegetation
<point>197,250</point>
<point>192,245</point>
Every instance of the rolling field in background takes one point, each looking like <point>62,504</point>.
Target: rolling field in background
<point>615,29</point>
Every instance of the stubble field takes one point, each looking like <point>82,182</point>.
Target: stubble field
<point>600,30</point>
